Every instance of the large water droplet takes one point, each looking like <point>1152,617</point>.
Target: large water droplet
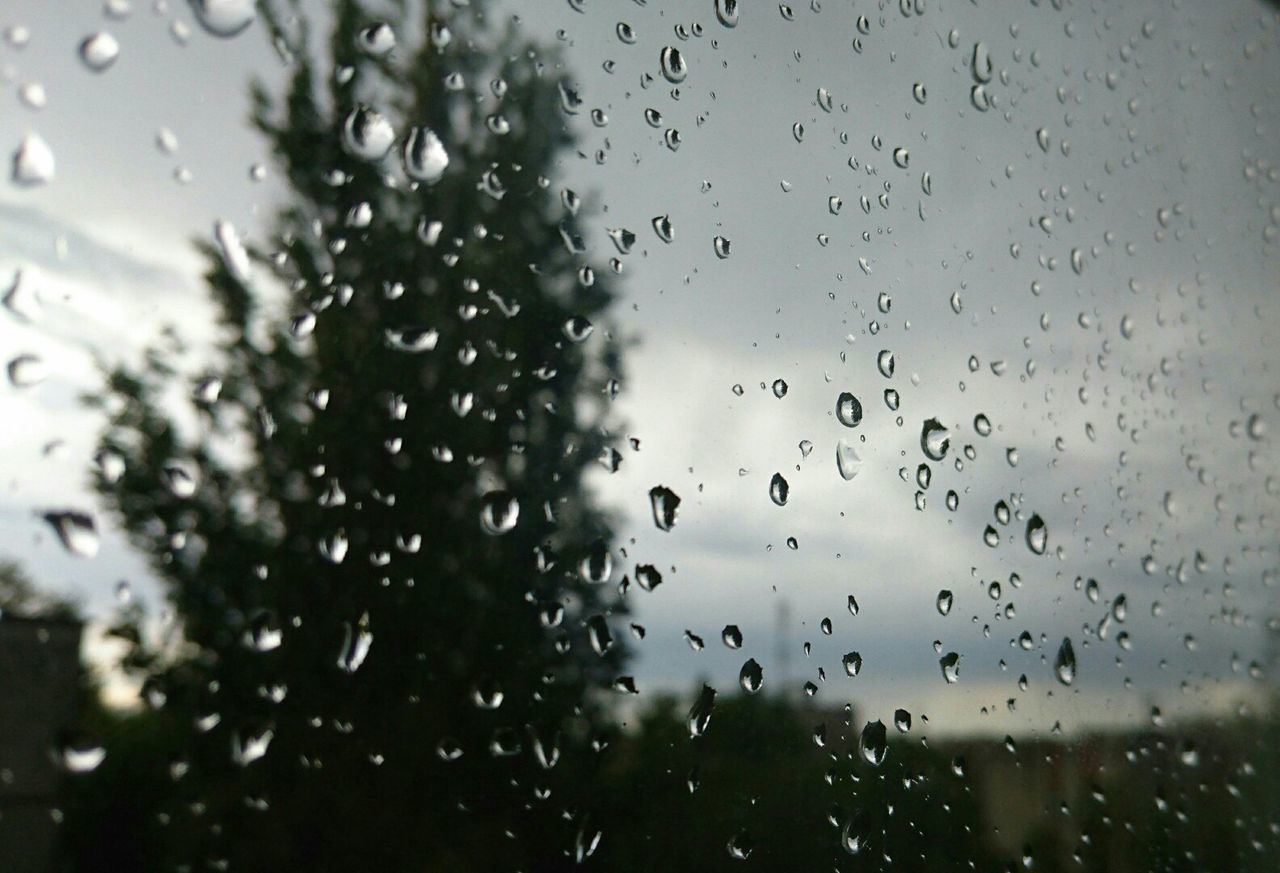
<point>727,12</point>
<point>665,504</point>
<point>367,134</point>
<point>596,565</point>
<point>424,155</point>
<point>700,712</point>
<point>950,664</point>
<point>77,531</point>
<point>1037,534</point>
<point>99,51</point>
<point>33,162</point>
<point>26,371</point>
<point>852,662</point>
<point>885,363</point>
<point>751,677</point>
<point>356,643</point>
<point>779,490</point>
<point>1064,665</point>
<point>848,409</point>
<point>599,634</point>
<point>226,18</point>
<point>847,461</point>
<point>981,63</point>
<point>673,65</point>
<point>499,512</point>
<point>935,439</point>
<point>873,745</point>
<point>945,599</point>
<point>232,249</point>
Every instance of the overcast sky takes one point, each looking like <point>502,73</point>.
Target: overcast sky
<point>1142,138</point>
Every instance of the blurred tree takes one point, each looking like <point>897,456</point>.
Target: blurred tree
<point>362,672</point>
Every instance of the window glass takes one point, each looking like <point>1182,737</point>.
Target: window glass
<point>461,435</point>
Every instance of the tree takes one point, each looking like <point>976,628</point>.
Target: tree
<point>371,539</point>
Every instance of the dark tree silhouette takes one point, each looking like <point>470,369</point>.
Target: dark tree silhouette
<point>367,668</point>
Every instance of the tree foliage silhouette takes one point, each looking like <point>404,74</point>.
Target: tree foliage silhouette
<point>423,689</point>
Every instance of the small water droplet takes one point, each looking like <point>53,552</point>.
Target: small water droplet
<point>945,599</point>
<point>499,512</point>
<point>852,662</point>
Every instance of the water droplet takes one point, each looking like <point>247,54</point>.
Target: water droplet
<point>596,565</point>
<point>626,33</point>
<point>367,134</point>
<point>700,712</point>
<point>982,425</point>
<point>950,664</point>
<point>499,512</point>
<point>27,371</point>
<point>848,410</point>
<point>648,577</point>
<point>852,662</point>
<point>79,754</point>
<point>727,12</point>
<point>77,531</point>
<point>981,62</point>
<point>779,388</point>
<point>779,490</point>
<point>599,634</point>
<point>33,162</point>
<point>901,157</point>
<point>824,99</point>
<point>1037,534</point>
<point>885,362</point>
<point>1064,665</point>
<point>23,297</point>
<point>99,51</point>
<point>751,677</point>
<point>413,340</point>
<point>665,504</point>
<point>234,254</point>
<point>740,845</point>
<point>356,643</point>
<point>577,329</point>
<point>731,636</point>
<point>935,439</point>
<point>945,599</point>
<point>424,155</point>
<point>902,720</point>
<point>226,18</point>
<point>673,65</point>
<point>873,745</point>
<point>919,93</point>
<point>663,228</point>
<point>722,246</point>
<point>847,461</point>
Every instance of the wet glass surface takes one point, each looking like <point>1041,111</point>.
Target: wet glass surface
<point>640,435</point>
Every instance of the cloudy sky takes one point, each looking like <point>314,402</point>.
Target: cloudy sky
<point>1091,262</point>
